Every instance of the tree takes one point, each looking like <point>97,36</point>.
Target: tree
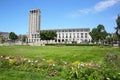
<point>0,33</point>
<point>94,34</point>
<point>98,34</point>
<point>118,24</point>
<point>102,32</point>
<point>115,38</point>
<point>118,28</point>
<point>13,36</point>
<point>3,40</point>
<point>48,35</point>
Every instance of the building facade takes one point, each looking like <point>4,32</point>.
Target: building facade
<point>4,35</point>
<point>75,35</point>
<point>34,25</point>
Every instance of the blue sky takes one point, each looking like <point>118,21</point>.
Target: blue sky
<point>59,14</point>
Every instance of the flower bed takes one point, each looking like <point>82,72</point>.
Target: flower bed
<point>108,70</point>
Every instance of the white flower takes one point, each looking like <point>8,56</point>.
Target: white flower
<point>36,61</point>
<point>53,65</point>
<point>82,65</point>
<point>7,57</point>
<point>43,59</point>
<point>108,78</point>
<point>65,62</point>
<point>29,60</point>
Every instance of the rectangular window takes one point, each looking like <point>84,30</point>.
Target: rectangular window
<point>70,35</point>
<point>70,30</point>
<point>85,35</point>
<point>66,35</point>
<point>38,35</point>
<point>81,35</point>
<point>74,35</point>
<point>73,30</point>
<point>35,35</point>
<point>65,30</point>
<point>62,35</point>
<point>77,35</point>
<point>86,30</point>
<point>32,35</point>
<point>59,36</point>
<point>77,30</point>
<point>81,30</point>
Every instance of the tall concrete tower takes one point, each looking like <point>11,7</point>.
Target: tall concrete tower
<point>34,25</point>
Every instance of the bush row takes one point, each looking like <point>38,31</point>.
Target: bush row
<point>70,44</point>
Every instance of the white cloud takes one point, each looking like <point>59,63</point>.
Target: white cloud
<point>86,11</point>
<point>104,5</point>
<point>98,7</point>
<point>80,12</point>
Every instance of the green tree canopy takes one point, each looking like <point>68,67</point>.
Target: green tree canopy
<point>13,36</point>
<point>98,33</point>
<point>118,26</point>
<point>3,40</point>
<point>48,35</point>
<point>118,22</point>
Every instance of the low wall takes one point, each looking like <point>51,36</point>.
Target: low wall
<point>38,43</point>
<point>115,45</point>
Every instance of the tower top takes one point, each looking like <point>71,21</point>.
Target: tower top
<point>35,10</point>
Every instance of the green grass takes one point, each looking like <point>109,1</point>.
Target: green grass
<point>62,53</point>
<point>66,53</point>
<point>9,74</point>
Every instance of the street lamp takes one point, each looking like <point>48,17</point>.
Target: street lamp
<point>119,36</point>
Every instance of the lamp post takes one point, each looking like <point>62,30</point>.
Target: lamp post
<point>119,36</point>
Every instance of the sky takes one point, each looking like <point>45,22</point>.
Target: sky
<point>58,14</point>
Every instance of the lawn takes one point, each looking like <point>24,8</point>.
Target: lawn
<point>52,54</point>
<point>66,53</point>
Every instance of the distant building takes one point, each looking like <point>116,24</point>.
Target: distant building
<point>75,35</point>
<point>72,35</point>
<point>4,35</point>
<point>1,38</point>
<point>34,25</point>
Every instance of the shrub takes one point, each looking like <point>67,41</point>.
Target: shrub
<point>112,60</point>
<point>70,44</point>
<point>76,70</point>
<point>4,63</point>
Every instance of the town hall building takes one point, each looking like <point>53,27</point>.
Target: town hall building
<point>72,35</point>
<point>69,35</point>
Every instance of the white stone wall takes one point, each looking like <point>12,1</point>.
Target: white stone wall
<point>73,35</point>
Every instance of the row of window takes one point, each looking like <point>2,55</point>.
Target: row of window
<point>34,11</point>
<point>63,40</point>
<point>35,35</point>
<point>74,35</point>
<point>33,40</point>
<point>77,30</point>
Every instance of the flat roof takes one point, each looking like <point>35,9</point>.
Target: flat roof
<point>67,29</point>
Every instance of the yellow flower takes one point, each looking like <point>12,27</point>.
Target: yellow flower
<point>76,63</point>
<point>12,61</point>
<point>24,59</point>
<point>50,61</point>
